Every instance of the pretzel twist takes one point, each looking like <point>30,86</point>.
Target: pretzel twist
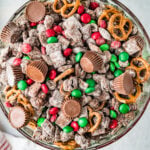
<point>98,121</point>
<point>101,106</point>
<point>32,124</point>
<point>145,66</point>
<point>66,5</point>
<point>131,97</point>
<point>118,30</point>
<point>70,145</point>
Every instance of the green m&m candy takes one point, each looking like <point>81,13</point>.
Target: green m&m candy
<point>78,56</point>
<point>124,108</point>
<point>76,93</point>
<point>117,65</point>
<point>90,82</point>
<point>104,47</point>
<point>40,121</point>
<point>67,129</point>
<point>113,114</point>
<point>118,73</point>
<point>82,122</point>
<point>90,90</point>
<point>92,21</point>
<point>123,56</point>
<point>52,39</point>
<point>112,67</point>
<point>113,58</point>
<point>22,85</point>
<point>26,57</point>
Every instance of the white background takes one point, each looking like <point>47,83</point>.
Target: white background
<point>139,137</point>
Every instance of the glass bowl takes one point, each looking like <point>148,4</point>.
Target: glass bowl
<point>142,101</point>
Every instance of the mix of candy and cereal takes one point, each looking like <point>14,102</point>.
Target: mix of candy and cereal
<point>72,71</point>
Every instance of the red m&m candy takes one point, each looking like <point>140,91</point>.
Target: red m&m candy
<point>75,126</point>
<point>52,74</point>
<point>17,61</point>
<point>53,111</point>
<point>67,52</point>
<point>113,124</point>
<point>58,29</point>
<point>102,24</point>
<point>44,88</point>
<point>43,50</point>
<point>100,41</point>
<point>115,44</point>
<point>8,104</point>
<point>32,24</point>
<point>80,10</point>
<point>26,48</point>
<point>95,35</point>
<point>53,118</point>
<point>50,32</point>
<point>85,18</point>
<point>29,81</point>
<point>94,5</point>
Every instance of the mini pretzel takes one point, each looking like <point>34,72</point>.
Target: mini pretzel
<point>131,97</point>
<point>66,5</point>
<point>70,145</point>
<point>101,106</point>
<point>145,66</point>
<point>66,94</point>
<point>107,13</point>
<point>64,74</point>
<point>91,115</point>
<point>118,30</point>
<point>32,124</point>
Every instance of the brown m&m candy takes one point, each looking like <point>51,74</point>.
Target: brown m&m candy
<point>37,70</point>
<point>71,108</point>
<point>123,84</point>
<point>18,117</point>
<point>35,11</point>
<point>91,62</point>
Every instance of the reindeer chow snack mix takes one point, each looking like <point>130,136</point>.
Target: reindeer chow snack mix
<point>72,71</point>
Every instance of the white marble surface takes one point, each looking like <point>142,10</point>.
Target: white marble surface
<point>139,137</point>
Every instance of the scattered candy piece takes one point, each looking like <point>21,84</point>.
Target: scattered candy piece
<point>67,52</point>
<point>8,104</point>
<point>124,108</point>
<point>123,56</point>
<point>58,29</point>
<point>76,93</point>
<point>104,47</point>
<point>118,73</point>
<point>40,121</point>
<point>67,129</point>
<point>94,5</point>
<point>95,35</point>
<point>80,10</point>
<point>82,122</point>
<point>75,126</point>
<point>22,85</point>
<point>115,44</point>
<point>41,22</point>
<point>52,74</point>
<point>112,67</point>
<point>32,24</point>
<point>92,21</point>
<point>50,32</point>
<point>53,118</point>
<point>90,82</point>
<point>17,61</point>
<point>29,81</point>
<point>26,57</point>
<point>52,40</point>
<point>113,114</point>
<point>26,48</point>
<point>113,124</point>
<point>85,18</point>
<point>100,41</point>
<point>113,58</point>
<point>90,90</point>
<point>78,56</point>
<point>44,88</point>
<point>53,111</point>
<point>117,65</point>
<point>103,24</point>
<point>43,50</point>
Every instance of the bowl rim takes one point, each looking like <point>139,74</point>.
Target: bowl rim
<point>133,125</point>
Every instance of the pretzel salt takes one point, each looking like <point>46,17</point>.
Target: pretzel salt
<point>118,30</point>
<point>98,121</point>
<point>145,66</point>
<point>131,97</point>
<point>74,6</point>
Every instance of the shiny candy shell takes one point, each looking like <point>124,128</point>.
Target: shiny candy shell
<point>8,104</point>
<point>80,10</point>
<point>76,93</point>
<point>95,35</point>
<point>17,61</point>
<point>44,88</point>
<point>22,85</point>
<point>58,29</point>
<point>124,108</point>
<point>53,111</point>
<point>26,48</point>
<point>90,90</point>
<point>50,32</point>
<point>53,118</point>
<point>118,73</point>
<point>113,114</point>
<point>75,126</point>
<point>113,58</point>
<point>26,57</point>
<point>90,82</point>
<point>104,47</point>
<point>52,74</point>
<point>123,56</point>
<point>100,41</point>
<point>92,21</point>
<point>52,40</point>
<point>78,56</point>
<point>85,18</point>
<point>112,67</point>
<point>67,52</point>
<point>29,81</point>
<point>82,122</point>
<point>102,24</point>
<point>67,129</point>
<point>40,121</point>
<point>113,124</point>
<point>94,5</point>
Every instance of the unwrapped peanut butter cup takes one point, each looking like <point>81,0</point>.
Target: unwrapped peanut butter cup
<point>71,108</point>
<point>37,70</point>
<point>35,11</point>
<point>91,62</point>
<point>123,84</point>
<point>14,74</point>
<point>18,117</point>
<point>10,33</point>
